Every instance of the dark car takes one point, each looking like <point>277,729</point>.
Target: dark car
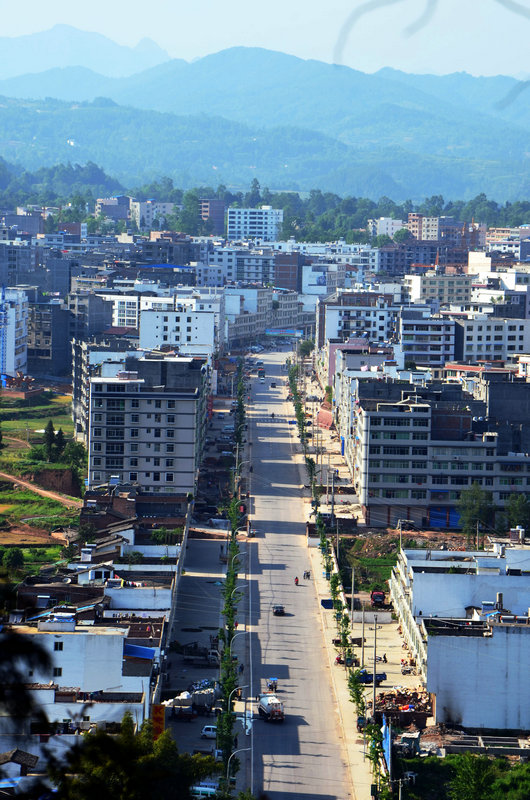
<point>278,611</point>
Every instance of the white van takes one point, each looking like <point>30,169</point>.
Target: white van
<point>209,732</point>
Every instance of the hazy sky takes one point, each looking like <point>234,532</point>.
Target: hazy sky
<point>479,36</point>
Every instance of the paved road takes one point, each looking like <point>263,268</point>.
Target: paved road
<point>305,756</point>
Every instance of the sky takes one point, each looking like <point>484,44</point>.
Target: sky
<point>483,37</point>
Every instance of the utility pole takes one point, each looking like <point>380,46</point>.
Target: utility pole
<point>352,592</point>
<point>362,641</point>
<point>375,664</point>
<point>333,499</point>
<point>478,535</point>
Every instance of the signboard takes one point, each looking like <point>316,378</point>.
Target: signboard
<point>284,332</point>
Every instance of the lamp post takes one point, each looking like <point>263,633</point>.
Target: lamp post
<point>235,690</point>
<point>241,750</point>
<point>236,588</point>
<point>241,633</point>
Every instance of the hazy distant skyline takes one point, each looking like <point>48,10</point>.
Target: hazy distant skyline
<point>483,37</point>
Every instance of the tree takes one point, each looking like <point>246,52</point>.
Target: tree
<point>475,506</point>
<point>306,347</point>
<point>1,437</point>
<point>129,766</point>
<point>381,240</point>
<point>49,439</point>
<point>402,235</point>
<point>13,559</point>
<point>75,455</point>
<point>518,510</point>
<point>473,777</point>
<point>60,442</point>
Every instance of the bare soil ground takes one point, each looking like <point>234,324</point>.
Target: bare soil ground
<point>21,534</point>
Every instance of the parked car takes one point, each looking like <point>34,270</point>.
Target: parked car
<point>278,611</point>
<point>209,732</point>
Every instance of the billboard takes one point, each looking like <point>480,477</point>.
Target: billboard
<point>284,332</point>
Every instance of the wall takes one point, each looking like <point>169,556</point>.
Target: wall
<point>447,595</point>
<point>154,598</point>
<point>481,682</point>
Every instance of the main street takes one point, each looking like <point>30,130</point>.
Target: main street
<point>304,756</point>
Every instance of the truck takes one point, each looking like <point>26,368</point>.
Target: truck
<point>201,656</point>
<point>261,372</point>
<point>368,677</point>
<point>270,707</point>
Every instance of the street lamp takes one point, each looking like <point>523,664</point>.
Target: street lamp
<point>236,588</point>
<point>241,750</point>
<point>241,633</point>
<point>235,690</point>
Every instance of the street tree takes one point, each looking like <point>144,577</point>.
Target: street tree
<point>475,507</point>
<point>518,510</point>
<point>49,439</point>
<point>13,558</point>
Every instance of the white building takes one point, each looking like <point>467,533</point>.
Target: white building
<point>15,324</point>
<point>385,226</point>
<point>143,213</point>
<point>192,332</point>
<point>254,223</point>
<point>465,618</point>
<point>426,340</point>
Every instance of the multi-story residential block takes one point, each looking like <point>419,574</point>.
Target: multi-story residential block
<point>385,226</point>
<point>213,211</point>
<point>426,340</point>
<point>435,287</point>
<point>15,331</point>
<point>147,426</point>
<point>348,314</point>
<point>113,207</point>
<point>480,337</point>
<point>90,314</point>
<point>192,332</point>
<point>243,264</point>
<point>144,213</point>
<point>100,357</point>
<point>254,223</point>
<point>48,342</point>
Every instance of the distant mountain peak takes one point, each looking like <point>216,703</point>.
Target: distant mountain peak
<point>66,46</point>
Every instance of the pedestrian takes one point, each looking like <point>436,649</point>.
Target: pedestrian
<point>235,741</point>
<point>241,668</point>
<point>384,658</point>
<point>308,574</point>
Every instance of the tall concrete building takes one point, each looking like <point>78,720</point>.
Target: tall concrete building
<point>147,424</point>
<point>255,223</point>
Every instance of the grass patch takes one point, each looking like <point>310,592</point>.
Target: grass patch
<point>19,427</point>
<point>34,510</point>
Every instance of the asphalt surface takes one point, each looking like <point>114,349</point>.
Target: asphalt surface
<point>305,756</point>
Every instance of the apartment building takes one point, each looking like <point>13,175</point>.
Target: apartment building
<point>426,340</point>
<point>480,337</point>
<point>192,332</point>
<point>144,213</point>
<point>212,211</point>
<point>48,343</point>
<point>385,226</point>
<point>115,208</point>
<point>348,314</point>
<point>243,264</point>
<point>254,223</point>
<point>14,314</point>
<point>147,426</point>
<point>435,287</point>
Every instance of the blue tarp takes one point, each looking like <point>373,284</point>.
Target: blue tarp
<point>137,651</point>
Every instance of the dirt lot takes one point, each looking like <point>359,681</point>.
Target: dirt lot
<point>22,534</point>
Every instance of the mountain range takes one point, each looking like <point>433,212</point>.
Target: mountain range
<point>293,124</point>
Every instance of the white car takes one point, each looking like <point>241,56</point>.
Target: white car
<point>209,732</point>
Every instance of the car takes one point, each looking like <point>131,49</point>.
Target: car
<point>278,611</point>
<point>273,386</point>
<point>209,732</point>
<point>291,422</point>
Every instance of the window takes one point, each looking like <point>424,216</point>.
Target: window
<point>134,433</point>
<point>169,462</point>
<point>156,476</point>
<point>133,476</point>
<point>170,434</point>
<point>134,448</point>
<point>157,433</point>
<point>419,451</point>
<point>171,419</point>
<point>135,403</point>
<point>97,462</point>
<point>57,646</point>
<point>171,404</point>
<point>158,403</point>
<point>97,431</point>
<point>169,477</point>
<point>135,417</point>
<point>156,462</point>
<point>57,672</point>
<point>97,447</point>
<point>170,448</point>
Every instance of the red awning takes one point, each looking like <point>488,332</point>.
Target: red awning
<point>325,418</point>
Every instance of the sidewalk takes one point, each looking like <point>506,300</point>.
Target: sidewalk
<point>359,766</point>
